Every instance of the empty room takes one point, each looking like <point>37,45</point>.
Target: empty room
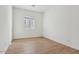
<point>39,29</point>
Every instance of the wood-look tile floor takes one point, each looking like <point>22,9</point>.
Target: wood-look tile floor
<point>38,46</point>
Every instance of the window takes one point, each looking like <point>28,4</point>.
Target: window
<point>29,22</point>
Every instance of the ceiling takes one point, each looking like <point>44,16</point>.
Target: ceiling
<point>37,8</point>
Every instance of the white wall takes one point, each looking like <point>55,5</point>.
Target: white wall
<point>5,27</point>
<point>61,23</point>
<point>19,30</point>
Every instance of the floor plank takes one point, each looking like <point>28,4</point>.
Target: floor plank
<point>38,46</point>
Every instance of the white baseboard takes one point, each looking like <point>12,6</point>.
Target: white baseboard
<point>27,37</point>
<point>51,38</point>
<point>2,52</point>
